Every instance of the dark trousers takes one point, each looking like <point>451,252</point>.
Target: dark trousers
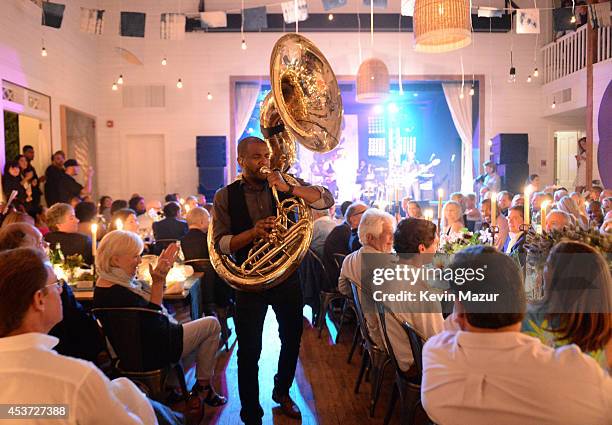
<point>251,308</point>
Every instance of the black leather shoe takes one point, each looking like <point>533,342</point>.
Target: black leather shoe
<point>288,407</point>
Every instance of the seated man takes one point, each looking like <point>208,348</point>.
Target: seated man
<point>64,231</point>
<point>32,373</point>
<point>376,235</point>
<point>489,372</point>
<point>416,242</point>
<point>516,238</point>
<point>321,228</point>
<point>170,229</point>
<point>215,291</point>
<point>557,220</point>
<point>504,200</point>
<point>337,241</point>
<point>77,331</point>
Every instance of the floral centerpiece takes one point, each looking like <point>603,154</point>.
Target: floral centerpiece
<point>538,246</point>
<point>451,244</point>
<point>69,267</point>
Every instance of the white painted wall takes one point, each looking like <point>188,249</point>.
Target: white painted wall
<point>83,76</point>
<point>69,71</point>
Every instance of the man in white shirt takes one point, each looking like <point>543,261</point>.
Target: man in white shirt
<point>321,227</point>
<point>491,373</point>
<point>32,373</point>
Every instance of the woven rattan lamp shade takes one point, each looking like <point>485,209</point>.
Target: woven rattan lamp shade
<point>441,25</point>
<point>372,81</point>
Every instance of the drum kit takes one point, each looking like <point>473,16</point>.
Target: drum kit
<point>384,184</point>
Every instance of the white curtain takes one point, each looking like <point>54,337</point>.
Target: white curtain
<point>246,97</point>
<point>461,111</point>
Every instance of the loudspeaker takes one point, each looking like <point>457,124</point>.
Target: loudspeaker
<point>211,179</point>
<point>210,151</point>
<point>510,148</point>
<point>513,176</point>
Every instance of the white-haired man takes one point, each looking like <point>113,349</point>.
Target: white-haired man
<point>322,226</point>
<point>557,220</point>
<point>376,236</point>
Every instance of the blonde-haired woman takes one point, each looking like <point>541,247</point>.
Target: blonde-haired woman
<point>453,220</point>
<point>119,255</point>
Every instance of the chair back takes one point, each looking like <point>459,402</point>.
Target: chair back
<point>313,271</point>
<point>160,244</point>
<point>138,336</point>
<point>380,308</point>
<point>416,345</point>
<point>339,259</point>
<point>362,321</point>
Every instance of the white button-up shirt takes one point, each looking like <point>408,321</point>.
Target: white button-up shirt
<point>32,373</point>
<point>509,378</point>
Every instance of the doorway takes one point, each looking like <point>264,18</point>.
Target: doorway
<point>143,166</point>
<point>566,147</point>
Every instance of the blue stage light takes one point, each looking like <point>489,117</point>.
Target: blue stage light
<point>392,108</point>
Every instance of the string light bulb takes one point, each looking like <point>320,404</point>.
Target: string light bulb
<point>179,84</point>
<point>243,45</point>
<point>461,96</point>
<point>573,19</point>
<point>209,96</point>
<point>536,73</point>
<point>330,16</point>
<point>120,79</point>
<point>43,52</point>
<point>554,104</point>
<point>472,90</point>
<point>164,62</point>
<point>115,87</point>
<point>529,78</point>
<point>512,75</point>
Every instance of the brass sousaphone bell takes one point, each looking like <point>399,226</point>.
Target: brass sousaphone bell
<point>304,105</point>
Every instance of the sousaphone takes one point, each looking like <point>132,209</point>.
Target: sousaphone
<point>304,105</point>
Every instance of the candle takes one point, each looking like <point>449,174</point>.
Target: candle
<point>94,238</point>
<point>440,195</point>
<point>528,190</point>
<point>428,215</point>
<point>543,215</point>
<point>118,224</point>
<point>187,208</point>
<point>493,209</point>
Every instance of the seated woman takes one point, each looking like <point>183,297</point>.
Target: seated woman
<point>77,332</point>
<point>453,220</point>
<point>577,302</point>
<point>64,231</point>
<point>117,263</point>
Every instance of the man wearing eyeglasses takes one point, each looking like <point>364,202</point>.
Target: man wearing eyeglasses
<point>33,374</point>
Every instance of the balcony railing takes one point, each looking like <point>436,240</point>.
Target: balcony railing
<point>568,54</point>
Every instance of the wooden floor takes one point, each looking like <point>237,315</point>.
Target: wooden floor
<point>323,387</point>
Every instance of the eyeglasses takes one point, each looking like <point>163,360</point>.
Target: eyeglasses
<point>59,284</point>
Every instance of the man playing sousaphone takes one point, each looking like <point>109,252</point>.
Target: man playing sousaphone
<point>243,212</point>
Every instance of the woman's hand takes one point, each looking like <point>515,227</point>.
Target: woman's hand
<point>164,264</point>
